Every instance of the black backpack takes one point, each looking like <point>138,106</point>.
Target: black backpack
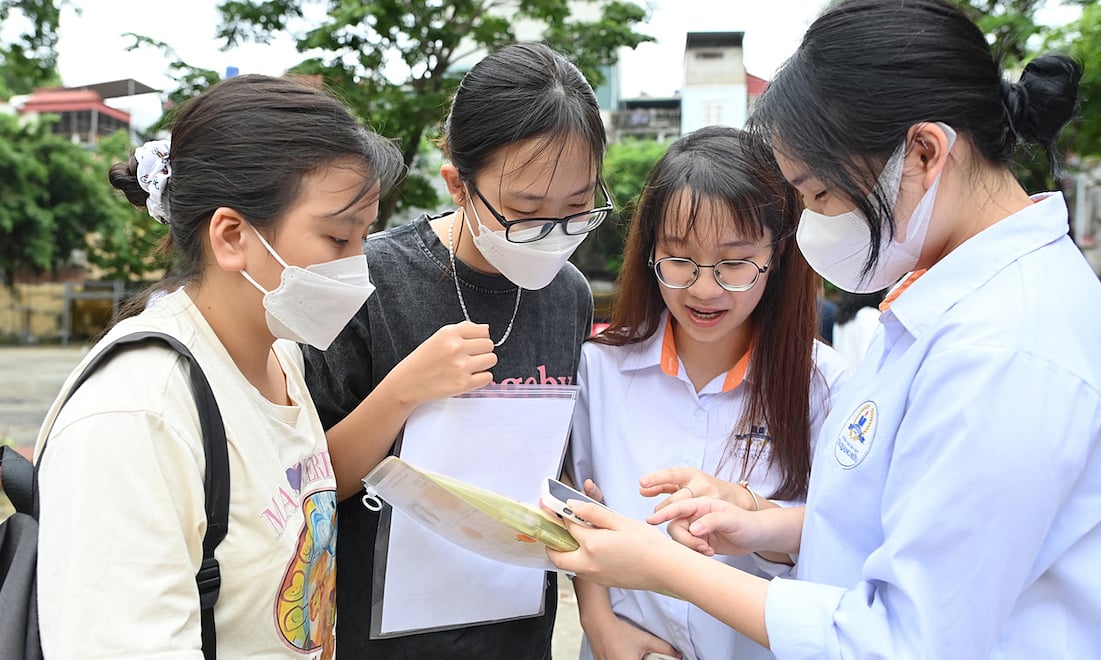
<point>19,533</point>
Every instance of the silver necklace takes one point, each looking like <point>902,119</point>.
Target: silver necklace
<point>459,292</point>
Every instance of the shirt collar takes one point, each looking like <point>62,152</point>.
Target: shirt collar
<point>660,350</point>
<point>977,260</point>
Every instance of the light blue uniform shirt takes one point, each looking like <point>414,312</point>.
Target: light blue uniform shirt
<point>632,418</point>
<point>954,509</point>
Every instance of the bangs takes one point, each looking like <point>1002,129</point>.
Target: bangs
<point>689,212</point>
<point>552,147</point>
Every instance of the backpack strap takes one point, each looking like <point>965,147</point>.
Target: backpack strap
<point>215,481</point>
<point>17,479</point>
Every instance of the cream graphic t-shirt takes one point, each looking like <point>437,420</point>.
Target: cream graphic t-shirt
<point>122,507</point>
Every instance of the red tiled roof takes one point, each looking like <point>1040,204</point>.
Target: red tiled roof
<point>755,86</point>
<point>71,100</point>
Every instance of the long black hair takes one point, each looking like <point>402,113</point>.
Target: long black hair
<point>868,70</point>
<point>525,90</point>
<point>247,143</point>
<point>715,168</point>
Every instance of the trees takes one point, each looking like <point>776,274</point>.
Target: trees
<point>1082,40</point>
<point>124,246</point>
<point>55,198</point>
<point>51,197</point>
<point>1008,26</point>
<point>1015,37</point>
<point>30,60</point>
<point>396,63</point>
<point>626,166</point>
<point>190,80</point>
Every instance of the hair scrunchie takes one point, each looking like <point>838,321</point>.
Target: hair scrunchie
<point>153,173</point>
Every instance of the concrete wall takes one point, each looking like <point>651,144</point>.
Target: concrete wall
<point>31,310</point>
<point>33,313</point>
<point>717,105</point>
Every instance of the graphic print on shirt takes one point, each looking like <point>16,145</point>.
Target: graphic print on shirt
<point>855,439</point>
<point>539,378</point>
<point>305,607</point>
<point>285,500</point>
<point>746,451</point>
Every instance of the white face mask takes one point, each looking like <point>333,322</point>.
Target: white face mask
<point>838,245</point>
<point>527,265</point>
<point>312,305</point>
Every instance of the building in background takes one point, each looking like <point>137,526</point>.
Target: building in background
<point>83,115</point>
<point>646,118</point>
<point>717,91</point>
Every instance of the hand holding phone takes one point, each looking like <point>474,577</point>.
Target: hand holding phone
<point>555,495</point>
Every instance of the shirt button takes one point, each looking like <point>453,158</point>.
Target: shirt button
<point>699,422</point>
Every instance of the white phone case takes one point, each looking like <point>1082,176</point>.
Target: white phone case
<point>554,497</point>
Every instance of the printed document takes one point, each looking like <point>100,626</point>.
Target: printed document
<point>502,438</point>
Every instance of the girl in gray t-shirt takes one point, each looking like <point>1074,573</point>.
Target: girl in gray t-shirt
<point>480,294</point>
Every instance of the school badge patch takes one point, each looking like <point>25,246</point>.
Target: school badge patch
<point>855,440</point>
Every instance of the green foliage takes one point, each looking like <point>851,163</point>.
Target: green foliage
<point>626,166</point>
<point>54,195</point>
<point>30,60</point>
<point>1082,40</point>
<point>125,246</point>
<point>361,49</point>
<point>1008,26</point>
<point>1015,38</point>
<point>190,80</point>
<point>50,197</point>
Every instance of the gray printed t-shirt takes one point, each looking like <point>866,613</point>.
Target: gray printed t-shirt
<point>415,296</point>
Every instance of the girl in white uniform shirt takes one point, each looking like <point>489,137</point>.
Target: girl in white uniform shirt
<point>954,508</point>
<point>709,380</point>
<point>267,187</point>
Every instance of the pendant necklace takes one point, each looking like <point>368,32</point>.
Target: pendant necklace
<point>459,293</point>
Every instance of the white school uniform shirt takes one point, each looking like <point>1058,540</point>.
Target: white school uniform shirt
<point>638,412</point>
<point>123,510</point>
<point>954,509</point>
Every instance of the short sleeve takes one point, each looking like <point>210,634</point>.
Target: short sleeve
<point>120,541</point>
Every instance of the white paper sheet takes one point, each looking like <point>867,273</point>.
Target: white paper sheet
<point>506,439</point>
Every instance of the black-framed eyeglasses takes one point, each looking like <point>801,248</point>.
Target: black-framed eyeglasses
<point>530,230</point>
<point>731,274</point>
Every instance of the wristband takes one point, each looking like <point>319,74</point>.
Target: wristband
<point>756,502</point>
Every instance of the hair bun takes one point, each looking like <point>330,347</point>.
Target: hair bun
<point>124,177</point>
<point>1043,101</point>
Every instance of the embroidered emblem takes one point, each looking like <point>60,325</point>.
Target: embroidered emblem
<point>855,440</point>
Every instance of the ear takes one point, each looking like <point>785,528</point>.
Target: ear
<point>930,150</point>
<point>455,186</point>
<point>228,233</point>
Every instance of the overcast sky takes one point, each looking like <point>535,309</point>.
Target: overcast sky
<point>92,47</point>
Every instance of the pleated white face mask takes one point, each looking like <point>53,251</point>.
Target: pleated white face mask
<point>527,265</point>
<point>312,305</point>
<point>836,246</point>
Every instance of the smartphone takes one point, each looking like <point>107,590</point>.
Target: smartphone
<point>555,495</point>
